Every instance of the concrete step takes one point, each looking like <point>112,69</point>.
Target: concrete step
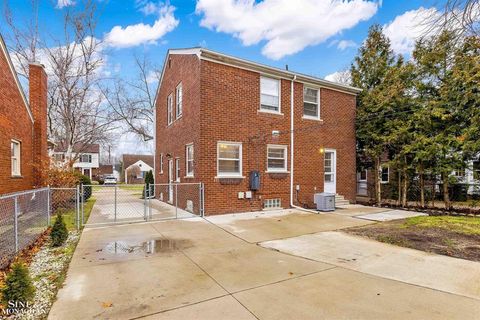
<point>342,203</point>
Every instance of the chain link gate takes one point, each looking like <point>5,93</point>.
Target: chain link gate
<point>117,204</point>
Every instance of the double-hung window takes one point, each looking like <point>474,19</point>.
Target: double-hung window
<point>269,95</point>
<point>229,159</point>
<point>189,160</point>
<point>276,158</point>
<point>161,162</point>
<point>86,158</point>
<point>385,174</point>
<point>179,97</point>
<point>169,109</point>
<point>311,103</point>
<point>15,153</point>
<point>177,169</point>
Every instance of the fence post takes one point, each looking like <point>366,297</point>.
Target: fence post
<point>49,190</point>
<point>202,193</point>
<point>77,206</point>
<point>145,202</point>
<point>16,224</point>
<point>149,202</point>
<point>115,206</point>
<point>82,200</point>
<point>176,201</point>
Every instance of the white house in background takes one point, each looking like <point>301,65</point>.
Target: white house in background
<point>135,166</point>
<point>87,158</point>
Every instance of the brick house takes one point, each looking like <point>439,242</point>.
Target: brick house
<point>23,127</point>
<point>220,118</point>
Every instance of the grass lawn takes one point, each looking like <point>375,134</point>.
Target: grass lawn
<point>69,216</point>
<point>449,235</point>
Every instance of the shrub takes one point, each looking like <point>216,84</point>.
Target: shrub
<point>87,189</point>
<point>149,181</point>
<point>59,232</point>
<point>18,285</point>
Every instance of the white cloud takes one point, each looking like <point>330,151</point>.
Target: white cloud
<point>287,26</point>
<point>148,7</point>
<point>153,76</point>
<point>345,44</point>
<point>64,3</point>
<point>137,34</point>
<point>405,29</point>
<point>342,77</point>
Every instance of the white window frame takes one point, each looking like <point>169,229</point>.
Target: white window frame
<point>90,158</point>
<point>16,170</point>
<point>189,174</point>
<point>230,175</point>
<point>318,103</point>
<point>360,175</point>
<point>285,152</point>
<point>388,174</point>
<point>161,163</point>
<point>170,109</point>
<point>179,101</point>
<point>177,169</point>
<point>279,111</point>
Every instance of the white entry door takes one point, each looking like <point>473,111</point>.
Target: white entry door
<point>170,181</point>
<point>330,169</point>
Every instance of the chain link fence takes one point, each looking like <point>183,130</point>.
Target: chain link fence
<point>176,200</point>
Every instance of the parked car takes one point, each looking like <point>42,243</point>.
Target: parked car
<point>110,180</point>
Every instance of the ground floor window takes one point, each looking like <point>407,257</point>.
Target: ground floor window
<point>276,158</point>
<point>177,170</point>
<point>385,175</point>
<point>15,153</point>
<point>272,203</point>
<point>229,159</point>
<point>189,160</point>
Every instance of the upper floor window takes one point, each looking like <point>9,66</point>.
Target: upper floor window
<point>179,96</point>
<point>169,109</point>
<point>59,157</point>
<point>15,153</point>
<point>269,94</point>
<point>189,160</point>
<point>229,157</point>
<point>311,103</point>
<point>87,158</point>
<point>276,158</point>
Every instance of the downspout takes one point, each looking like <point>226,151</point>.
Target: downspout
<point>292,133</point>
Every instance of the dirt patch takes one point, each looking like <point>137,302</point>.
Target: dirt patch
<point>430,239</point>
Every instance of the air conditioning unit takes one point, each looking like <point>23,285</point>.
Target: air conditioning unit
<point>325,201</point>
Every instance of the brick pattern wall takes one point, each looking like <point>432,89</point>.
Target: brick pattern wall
<point>172,139</point>
<point>15,123</point>
<point>38,105</point>
<point>225,107</point>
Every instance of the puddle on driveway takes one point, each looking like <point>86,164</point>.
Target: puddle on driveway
<point>146,247</point>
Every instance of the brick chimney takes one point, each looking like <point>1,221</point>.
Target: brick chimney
<point>38,106</point>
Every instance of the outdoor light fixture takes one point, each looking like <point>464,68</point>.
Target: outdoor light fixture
<point>321,150</point>
<point>168,155</point>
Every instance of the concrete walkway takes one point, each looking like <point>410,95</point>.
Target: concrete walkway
<point>214,269</point>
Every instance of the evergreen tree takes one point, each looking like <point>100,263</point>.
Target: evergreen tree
<point>370,72</point>
<point>59,233</point>
<point>18,285</point>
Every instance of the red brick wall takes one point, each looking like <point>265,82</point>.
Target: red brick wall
<point>227,101</point>
<point>38,105</point>
<point>173,138</point>
<point>15,123</point>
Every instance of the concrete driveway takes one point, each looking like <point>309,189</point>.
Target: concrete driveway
<point>216,269</point>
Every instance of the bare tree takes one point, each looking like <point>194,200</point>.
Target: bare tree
<point>133,102</point>
<point>77,112</point>
<point>460,16</point>
<point>342,76</point>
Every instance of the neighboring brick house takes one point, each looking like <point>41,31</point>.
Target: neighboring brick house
<point>218,118</point>
<point>23,127</point>
<point>86,157</point>
<point>135,166</point>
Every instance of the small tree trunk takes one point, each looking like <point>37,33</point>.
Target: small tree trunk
<point>422,186</point>
<point>404,192</point>
<point>399,187</point>
<point>378,185</point>
<point>446,199</point>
